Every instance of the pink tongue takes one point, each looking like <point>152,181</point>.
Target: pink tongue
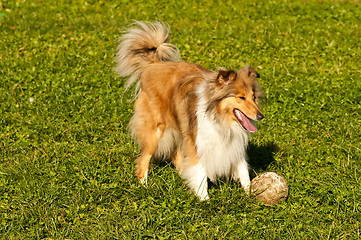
<point>244,121</point>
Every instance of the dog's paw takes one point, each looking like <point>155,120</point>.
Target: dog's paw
<point>204,198</point>
<point>144,180</point>
<point>247,189</point>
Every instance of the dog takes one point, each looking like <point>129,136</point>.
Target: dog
<point>198,118</point>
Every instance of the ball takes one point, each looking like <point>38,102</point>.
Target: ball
<point>270,188</point>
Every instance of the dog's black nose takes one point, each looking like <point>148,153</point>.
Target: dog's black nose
<point>259,116</point>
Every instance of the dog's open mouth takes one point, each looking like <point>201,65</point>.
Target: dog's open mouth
<point>244,120</point>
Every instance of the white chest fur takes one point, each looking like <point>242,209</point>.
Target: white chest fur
<point>219,148</point>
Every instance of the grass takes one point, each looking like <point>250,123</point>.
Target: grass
<point>66,158</point>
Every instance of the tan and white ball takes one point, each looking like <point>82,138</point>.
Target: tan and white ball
<point>270,188</point>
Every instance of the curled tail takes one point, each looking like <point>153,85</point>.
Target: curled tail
<point>141,45</point>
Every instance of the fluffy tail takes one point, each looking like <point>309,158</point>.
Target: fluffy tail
<point>141,45</point>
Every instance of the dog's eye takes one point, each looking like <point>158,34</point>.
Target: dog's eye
<point>243,98</point>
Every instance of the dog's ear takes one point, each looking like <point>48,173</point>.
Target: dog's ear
<point>252,72</point>
<point>226,76</point>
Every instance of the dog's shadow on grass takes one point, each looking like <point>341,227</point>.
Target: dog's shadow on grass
<point>260,157</point>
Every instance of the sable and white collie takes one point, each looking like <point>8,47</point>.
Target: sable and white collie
<point>200,119</point>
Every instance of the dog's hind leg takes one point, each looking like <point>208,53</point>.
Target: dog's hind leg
<point>177,160</point>
<point>148,143</point>
<point>148,129</point>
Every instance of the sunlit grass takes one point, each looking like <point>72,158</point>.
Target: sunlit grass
<point>66,158</point>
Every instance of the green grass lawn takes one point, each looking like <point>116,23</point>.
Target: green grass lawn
<point>66,157</point>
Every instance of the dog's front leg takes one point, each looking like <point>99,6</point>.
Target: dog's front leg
<point>196,179</point>
<point>241,174</point>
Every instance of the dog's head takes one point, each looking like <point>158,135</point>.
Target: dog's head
<point>235,96</point>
